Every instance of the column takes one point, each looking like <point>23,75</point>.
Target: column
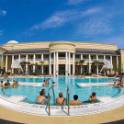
<point>81,65</point>
<point>73,63</point>
<point>42,65</point>
<point>26,69</point>
<point>89,63</point>
<point>2,62</point>
<point>57,69</point>
<point>49,63</point>
<point>104,57</point>
<point>66,64</point>
<point>117,62</point>
<point>69,64</point>
<point>34,61</point>
<point>97,67</point>
<point>54,64</point>
<point>12,64</point>
<point>19,58</point>
<point>6,64</point>
<point>111,63</point>
<point>104,63</point>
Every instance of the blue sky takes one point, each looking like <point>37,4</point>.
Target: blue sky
<point>72,20</point>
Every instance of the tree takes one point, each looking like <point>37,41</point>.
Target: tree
<point>79,64</point>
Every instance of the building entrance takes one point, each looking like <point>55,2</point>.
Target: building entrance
<point>62,69</point>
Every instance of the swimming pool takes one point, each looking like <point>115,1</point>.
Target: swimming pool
<point>31,92</point>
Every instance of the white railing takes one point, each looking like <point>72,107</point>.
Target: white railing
<point>30,60</point>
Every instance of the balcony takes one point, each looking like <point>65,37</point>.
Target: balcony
<point>61,58</point>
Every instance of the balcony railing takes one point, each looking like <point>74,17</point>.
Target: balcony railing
<point>61,58</point>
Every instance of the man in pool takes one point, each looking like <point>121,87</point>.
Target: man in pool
<point>1,84</point>
<point>60,100</point>
<point>75,101</point>
<point>45,83</point>
<point>7,84</point>
<point>119,83</point>
<point>14,84</point>
<point>42,99</point>
<point>93,98</point>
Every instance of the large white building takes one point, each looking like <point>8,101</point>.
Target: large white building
<point>59,58</point>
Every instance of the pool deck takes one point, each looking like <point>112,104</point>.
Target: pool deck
<point>104,117</point>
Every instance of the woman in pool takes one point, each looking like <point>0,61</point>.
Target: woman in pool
<point>119,83</point>
<point>93,98</point>
<point>1,84</point>
<point>41,99</point>
<point>15,84</point>
<point>60,100</point>
<point>75,101</point>
<point>7,84</point>
<point>45,83</point>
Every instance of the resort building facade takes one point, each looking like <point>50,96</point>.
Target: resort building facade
<point>60,58</point>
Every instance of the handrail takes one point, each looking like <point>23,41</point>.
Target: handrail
<point>48,103</point>
<point>53,94</point>
<point>68,99</point>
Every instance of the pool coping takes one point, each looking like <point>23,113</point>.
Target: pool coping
<point>80,110</point>
<point>48,76</point>
<point>56,110</point>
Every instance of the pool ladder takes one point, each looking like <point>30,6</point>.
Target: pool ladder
<point>48,105</point>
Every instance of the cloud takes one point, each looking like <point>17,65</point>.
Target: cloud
<point>3,12</point>
<point>62,17</point>
<point>95,26</point>
<point>73,2</point>
<point>92,11</point>
<point>56,20</point>
<point>119,39</point>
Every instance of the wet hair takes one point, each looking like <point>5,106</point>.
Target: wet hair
<point>75,97</point>
<point>42,92</point>
<point>60,94</point>
<point>93,93</point>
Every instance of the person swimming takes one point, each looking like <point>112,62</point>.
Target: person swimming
<point>1,84</point>
<point>14,84</point>
<point>60,100</point>
<point>120,82</point>
<point>42,99</point>
<point>7,84</point>
<point>93,98</point>
<point>45,83</point>
<point>75,101</point>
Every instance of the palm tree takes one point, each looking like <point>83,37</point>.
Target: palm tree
<point>24,63</point>
<point>97,63</point>
<point>79,64</point>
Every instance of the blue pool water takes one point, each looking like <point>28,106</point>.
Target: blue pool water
<point>31,92</point>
